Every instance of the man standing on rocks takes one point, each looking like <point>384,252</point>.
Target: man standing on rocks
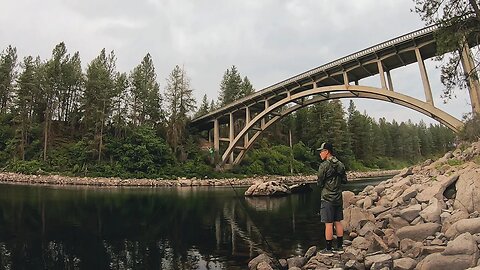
<point>331,177</point>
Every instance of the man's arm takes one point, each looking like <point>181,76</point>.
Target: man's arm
<point>322,170</point>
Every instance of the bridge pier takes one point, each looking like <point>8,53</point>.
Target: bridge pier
<point>423,73</point>
<point>472,75</point>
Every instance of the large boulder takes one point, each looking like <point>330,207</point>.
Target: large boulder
<point>348,198</point>
<point>471,225</point>
<point>460,253</point>
<point>437,188</point>
<point>433,211</point>
<point>411,213</point>
<point>463,244</point>
<point>418,232</point>
<point>354,218</point>
<point>437,261</point>
<point>468,189</point>
<point>270,188</point>
<point>385,260</point>
<point>404,264</point>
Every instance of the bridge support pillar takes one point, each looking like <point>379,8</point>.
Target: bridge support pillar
<point>390,82</point>
<point>216,136</point>
<point>247,120</point>
<point>472,75</point>
<point>382,74</point>
<point>231,134</point>
<point>423,73</point>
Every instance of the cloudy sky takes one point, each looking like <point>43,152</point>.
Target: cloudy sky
<point>268,40</point>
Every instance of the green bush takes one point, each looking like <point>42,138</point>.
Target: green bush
<point>27,167</point>
<point>471,129</point>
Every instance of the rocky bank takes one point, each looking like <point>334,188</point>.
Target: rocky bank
<point>425,217</point>
<point>50,179</point>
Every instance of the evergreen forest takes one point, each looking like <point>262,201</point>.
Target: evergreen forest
<point>57,117</point>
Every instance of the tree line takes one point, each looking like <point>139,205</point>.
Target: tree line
<point>57,117</point>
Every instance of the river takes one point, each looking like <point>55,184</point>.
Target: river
<point>66,227</point>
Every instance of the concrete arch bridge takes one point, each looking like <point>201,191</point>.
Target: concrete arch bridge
<point>335,80</point>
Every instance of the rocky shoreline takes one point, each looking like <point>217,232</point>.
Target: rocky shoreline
<point>15,178</point>
<point>426,217</point>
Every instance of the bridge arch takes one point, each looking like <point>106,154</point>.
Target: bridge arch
<point>319,94</point>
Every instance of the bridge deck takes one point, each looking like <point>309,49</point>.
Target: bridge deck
<point>393,54</point>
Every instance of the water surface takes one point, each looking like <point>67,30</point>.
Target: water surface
<point>46,227</point>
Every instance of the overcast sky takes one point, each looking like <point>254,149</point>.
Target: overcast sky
<point>268,40</point>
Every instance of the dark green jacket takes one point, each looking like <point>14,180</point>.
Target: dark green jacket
<point>331,177</point>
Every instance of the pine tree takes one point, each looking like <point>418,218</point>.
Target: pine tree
<point>28,85</point>
<point>8,62</point>
<point>231,86</point>
<point>180,102</point>
<point>204,107</point>
<point>145,94</point>
<point>98,97</point>
<point>246,88</point>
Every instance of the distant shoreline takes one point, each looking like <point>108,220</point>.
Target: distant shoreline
<point>16,178</point>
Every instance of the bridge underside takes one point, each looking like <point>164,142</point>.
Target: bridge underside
<point>249,117</point>
<point>256,123</point>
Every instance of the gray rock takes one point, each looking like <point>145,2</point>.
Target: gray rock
<point>264,266</point>
<point>368,227</point>
<point>433,211</point>
<point>378,209</point>
<point>427,250</point>
<point>348,198</point>
<point>417,220</point>
<point>367,203</point>
<point>406,172</point>
<point>465,225</point>
<point>354,265</point>
<point>438,261</point>
<point>463,244</point>
<point>353,216</point>
<point>270,188</point>
<point>437,189</point>
<point>404,264</point>
<point>418,232</point>
<point>252,265</point>
<point>381,260</point>
<point>361,243</point>
<point>455,216</point>
<point>410,213</point>
<point>298,261</point>
<point>409,194</point>
<point>310,252</point>
<point>397,223</point>
<point>468,190</point>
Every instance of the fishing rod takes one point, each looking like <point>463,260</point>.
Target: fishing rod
<point>270,251</point>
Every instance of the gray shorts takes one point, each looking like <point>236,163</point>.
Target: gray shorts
<point>330,213</point>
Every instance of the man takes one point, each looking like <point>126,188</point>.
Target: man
<point>331,177</point>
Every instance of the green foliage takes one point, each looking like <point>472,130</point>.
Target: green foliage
<point>26,167</point>
<point>454,162</point>
<point>277,160</point>
<point>458,20</point>
<point>471,130</point>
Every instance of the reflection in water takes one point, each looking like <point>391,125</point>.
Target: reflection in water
<point>266,203</point>
<point>150,228</point>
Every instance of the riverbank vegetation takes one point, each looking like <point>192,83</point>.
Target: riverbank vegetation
<point>56,117</point>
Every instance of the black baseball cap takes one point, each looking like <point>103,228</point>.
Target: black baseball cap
<point>326,146</point>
